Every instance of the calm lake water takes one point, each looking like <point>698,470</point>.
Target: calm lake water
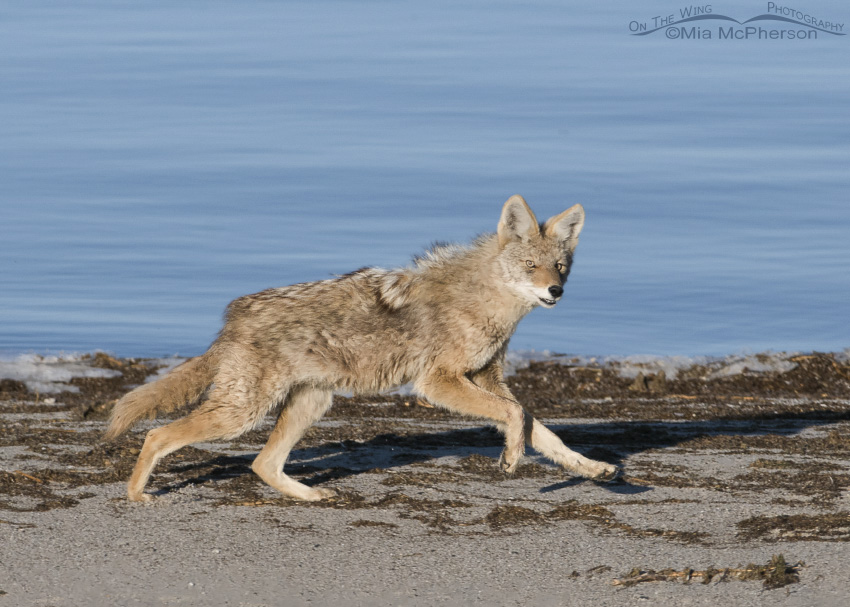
<point>159,159</point>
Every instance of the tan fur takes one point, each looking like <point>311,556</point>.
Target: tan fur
<point>442,324</point>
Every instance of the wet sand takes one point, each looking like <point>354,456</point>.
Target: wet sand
<point>722,475</point>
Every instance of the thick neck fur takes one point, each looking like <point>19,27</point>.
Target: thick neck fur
<point>472,275</point>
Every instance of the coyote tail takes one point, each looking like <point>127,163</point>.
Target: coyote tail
<point>182,386</point>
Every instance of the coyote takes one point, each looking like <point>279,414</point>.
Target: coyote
<point>442,325</point>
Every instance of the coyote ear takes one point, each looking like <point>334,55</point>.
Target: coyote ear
<point>566,226</point>
<point>517,221</point>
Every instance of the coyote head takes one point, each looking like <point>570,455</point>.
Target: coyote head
<point>536,258</point>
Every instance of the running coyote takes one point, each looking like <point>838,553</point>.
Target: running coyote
<point>442,324</point>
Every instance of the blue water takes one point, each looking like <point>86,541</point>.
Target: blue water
<point>158,159</point>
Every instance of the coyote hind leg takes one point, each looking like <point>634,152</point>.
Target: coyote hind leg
<point>215,419</point>
<point>303,407</point>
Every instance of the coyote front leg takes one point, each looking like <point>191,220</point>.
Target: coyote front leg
<point>460,394</point>
<point>540,438</point>
<point>546,442</point>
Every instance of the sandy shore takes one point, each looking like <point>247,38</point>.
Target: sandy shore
<point>723,473</point>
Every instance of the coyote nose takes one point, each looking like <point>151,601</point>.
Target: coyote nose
<point>556,291</point>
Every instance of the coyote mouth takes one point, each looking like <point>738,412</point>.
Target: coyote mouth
<point>547,302</point>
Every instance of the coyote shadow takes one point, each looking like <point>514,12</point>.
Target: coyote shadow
<point>612,442</point>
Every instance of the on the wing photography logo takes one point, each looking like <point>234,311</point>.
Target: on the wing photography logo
<point>780,22</point>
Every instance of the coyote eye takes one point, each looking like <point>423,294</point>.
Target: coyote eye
<point>560,267</point>
<point>529,263</point>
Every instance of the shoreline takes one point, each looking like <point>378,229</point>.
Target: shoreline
<point>722,470</point>
<point>49,373</point>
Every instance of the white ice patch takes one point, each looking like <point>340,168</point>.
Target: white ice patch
<point>50,374</point>
<point>632,366</point>
<point>771,362</point>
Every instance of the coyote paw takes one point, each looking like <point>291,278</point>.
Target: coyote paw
<point>508,464</point>
<point>318,494</point>
<point>608,473</point>
<point>142,498</point>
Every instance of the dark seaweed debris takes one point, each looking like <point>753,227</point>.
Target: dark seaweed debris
<point>775,574</point>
